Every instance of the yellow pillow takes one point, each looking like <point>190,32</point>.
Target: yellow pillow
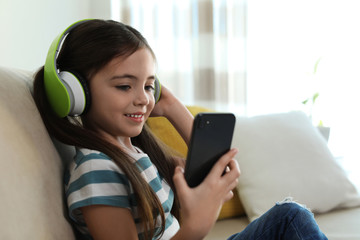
<point>232,208</point>
<point>166,132</point>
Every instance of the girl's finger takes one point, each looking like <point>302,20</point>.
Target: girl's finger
<point>179,181</point>
<point>229,196</point>
<point>233,170</point>
<point>221,164</point>
<point>231,178</point>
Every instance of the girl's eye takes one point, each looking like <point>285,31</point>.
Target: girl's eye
<point>123,87</point>
<point>150,88</point>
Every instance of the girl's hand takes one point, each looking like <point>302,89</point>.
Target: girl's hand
<point>200,206</point>
<point>167,99</point>
<point>171,108</point>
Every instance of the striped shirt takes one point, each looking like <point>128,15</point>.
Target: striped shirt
<point>93,178</point>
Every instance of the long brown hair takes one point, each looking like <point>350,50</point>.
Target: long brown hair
<point>86,50</point>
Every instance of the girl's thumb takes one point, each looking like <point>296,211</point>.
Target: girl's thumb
<point>179,179</point>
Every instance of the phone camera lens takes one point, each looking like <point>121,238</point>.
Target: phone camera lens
<point>204,123</point>
<point>201,124</point>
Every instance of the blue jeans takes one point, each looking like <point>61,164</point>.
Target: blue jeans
<point>288,221</point>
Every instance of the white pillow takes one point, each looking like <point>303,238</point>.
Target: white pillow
<point>283,155</point>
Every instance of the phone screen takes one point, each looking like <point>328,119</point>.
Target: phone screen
<point>211,137</point>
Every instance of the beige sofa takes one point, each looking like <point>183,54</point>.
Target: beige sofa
<point>31,202</point>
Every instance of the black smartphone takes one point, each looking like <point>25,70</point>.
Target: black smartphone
<point>210,138</point>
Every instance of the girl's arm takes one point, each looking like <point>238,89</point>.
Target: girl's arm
<point>107,222</point>
<point>179,116</point>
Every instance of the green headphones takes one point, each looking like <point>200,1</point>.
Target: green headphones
<point>67,92</point>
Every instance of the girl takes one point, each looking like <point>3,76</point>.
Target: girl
<point>123,183</point>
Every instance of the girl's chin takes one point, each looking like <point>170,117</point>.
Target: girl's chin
<point>128,134</point>
<point>136,133</point>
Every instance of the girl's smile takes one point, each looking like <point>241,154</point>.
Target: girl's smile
<point>136,117</point>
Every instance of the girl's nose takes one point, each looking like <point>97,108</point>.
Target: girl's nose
<point>141,98</point>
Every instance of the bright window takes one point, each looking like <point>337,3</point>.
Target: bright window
<point>285,40</point>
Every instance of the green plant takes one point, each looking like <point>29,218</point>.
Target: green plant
<point>310,101</point>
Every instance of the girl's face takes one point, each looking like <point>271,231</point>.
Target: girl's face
<point>122,96</point>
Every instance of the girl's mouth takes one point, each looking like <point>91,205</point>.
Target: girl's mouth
<point>135,117</point>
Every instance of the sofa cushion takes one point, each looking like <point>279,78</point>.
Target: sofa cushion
<point>283,155</point>
<point>31,202</point>
<point>341,224</point>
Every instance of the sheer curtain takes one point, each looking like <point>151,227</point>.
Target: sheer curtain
<point>200,47</point>
<point>259,56</point>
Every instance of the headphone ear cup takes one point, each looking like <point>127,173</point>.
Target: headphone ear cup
<point>86,89</point>
<point>157,92</point>
<point>67,92</point>
<point>78,91</point>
